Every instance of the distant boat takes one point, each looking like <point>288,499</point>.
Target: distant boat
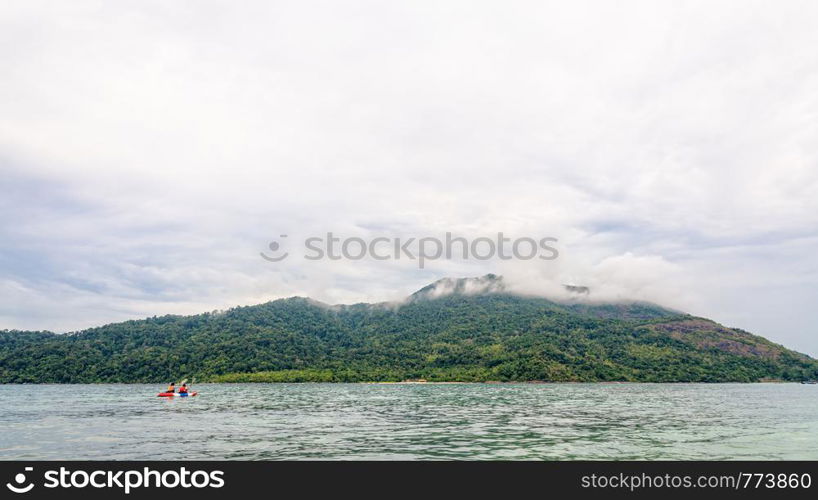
<point>809,382</point>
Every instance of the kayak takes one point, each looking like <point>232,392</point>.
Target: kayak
<point>176,394</point>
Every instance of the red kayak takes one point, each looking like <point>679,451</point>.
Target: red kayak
<point>176,394</point>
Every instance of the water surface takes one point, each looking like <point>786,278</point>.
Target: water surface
<point>413,422</point>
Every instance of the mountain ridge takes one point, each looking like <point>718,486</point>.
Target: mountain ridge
<point>465,329</point>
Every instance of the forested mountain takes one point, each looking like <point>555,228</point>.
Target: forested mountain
<point>462,333</point>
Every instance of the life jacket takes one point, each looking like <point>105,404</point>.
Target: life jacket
<point>183,390</point>
<point>171,389</point>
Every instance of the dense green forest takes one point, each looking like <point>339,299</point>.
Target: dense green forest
<point>458,337</point>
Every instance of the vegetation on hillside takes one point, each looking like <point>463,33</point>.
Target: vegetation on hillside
<point>487,337</point>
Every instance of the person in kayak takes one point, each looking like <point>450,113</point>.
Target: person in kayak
<point>171,387</point>
<point>183,389</point>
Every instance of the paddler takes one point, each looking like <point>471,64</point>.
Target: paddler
<point>183,389</point>
<point>172,387</point>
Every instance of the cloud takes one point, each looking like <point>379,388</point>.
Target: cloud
<point>150,150</point>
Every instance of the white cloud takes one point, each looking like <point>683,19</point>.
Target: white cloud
<point>150,150</point>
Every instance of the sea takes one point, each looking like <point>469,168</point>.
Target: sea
<point>602,421</point>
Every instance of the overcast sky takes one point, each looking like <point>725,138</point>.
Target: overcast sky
<point>150,150</point>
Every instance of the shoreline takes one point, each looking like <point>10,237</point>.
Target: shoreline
<point>410,382</point>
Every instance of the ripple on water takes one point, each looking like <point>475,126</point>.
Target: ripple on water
<point>411,422</point>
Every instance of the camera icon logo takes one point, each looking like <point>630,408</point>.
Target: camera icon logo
<point>275,246</point>
<point>19,479</point>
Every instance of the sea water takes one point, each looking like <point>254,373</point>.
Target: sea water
<point>411,422</point>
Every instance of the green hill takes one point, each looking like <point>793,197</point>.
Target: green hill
<point>454,330</point>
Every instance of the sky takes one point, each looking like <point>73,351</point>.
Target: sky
<point>150,150</point>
